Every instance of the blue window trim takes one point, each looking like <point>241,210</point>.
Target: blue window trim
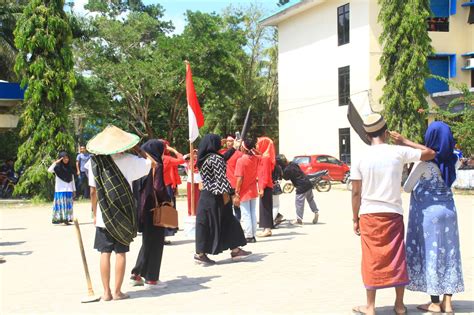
<point>452,63</point>
<point>452,7</point>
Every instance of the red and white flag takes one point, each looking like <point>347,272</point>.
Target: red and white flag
<point>196,118</point>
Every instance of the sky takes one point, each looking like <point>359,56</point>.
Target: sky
<point>175,9</point>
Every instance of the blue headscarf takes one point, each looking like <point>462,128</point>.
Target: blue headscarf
<point>439,137</point>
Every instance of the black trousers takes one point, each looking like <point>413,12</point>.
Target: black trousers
<point>266,209</point>
<point>148,263</point>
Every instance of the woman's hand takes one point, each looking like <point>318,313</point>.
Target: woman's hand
<point>58,160</point>
<point>236,200</point>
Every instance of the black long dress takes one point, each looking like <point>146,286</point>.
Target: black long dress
<point>216,227</point>
<point>148,263</point>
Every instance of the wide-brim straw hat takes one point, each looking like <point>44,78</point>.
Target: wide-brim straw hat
<point>112,140</point>
<point>374,123</point>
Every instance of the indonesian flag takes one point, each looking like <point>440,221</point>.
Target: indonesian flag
<point>196,118</point>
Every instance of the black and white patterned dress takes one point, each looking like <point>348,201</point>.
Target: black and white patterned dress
<point>216,227</point>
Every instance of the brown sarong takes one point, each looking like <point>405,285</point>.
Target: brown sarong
<point>383,250</point>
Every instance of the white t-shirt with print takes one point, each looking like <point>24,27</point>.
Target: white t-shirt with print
<point>132,168</point>
<point>380,168</point>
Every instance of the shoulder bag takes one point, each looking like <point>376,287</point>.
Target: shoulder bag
<point>164,214</point>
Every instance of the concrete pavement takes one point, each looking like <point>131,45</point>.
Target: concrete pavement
<point>299,270</point>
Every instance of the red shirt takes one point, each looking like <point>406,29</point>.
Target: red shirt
<point>246,168</point>
<point>265,173</point>
<point>231,163</point>
<point>170,170</point>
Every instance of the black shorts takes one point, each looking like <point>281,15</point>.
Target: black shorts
<point>105,243</point>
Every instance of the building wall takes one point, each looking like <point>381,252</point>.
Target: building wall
<point>309,58</point>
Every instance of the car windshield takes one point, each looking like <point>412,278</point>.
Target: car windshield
<point>333,160</point>
<point>302,160</point>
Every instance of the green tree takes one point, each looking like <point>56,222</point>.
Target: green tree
<point>404,67</point>
<point>45,64</point>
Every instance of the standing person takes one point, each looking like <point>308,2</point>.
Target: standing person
<point>304,189</point>
<point>216,228</point>
<point>231,156</point>
<point>197,181</point>
<point>111,174</point>
<point>265,184</point>
<point>277,176</point>
<point>228,144</point>
<point>83,180</point>
<point>64,189</point>
<point>152,193</point>
<point>171,177</point>
<point>246,191</point>
<point>433,255</point>
<point>377,210</point>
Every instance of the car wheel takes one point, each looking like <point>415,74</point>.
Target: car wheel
<point>346,177</point>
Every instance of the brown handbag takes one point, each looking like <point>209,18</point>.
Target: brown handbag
<point>164,214</point>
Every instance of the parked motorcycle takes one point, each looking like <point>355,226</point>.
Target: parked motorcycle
<point>319,180</point>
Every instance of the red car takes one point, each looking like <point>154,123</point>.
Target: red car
<point>309,164</point>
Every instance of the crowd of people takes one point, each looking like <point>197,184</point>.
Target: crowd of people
<point>233,175</point>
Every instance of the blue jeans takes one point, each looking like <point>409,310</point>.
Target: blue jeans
<point>249,217</point>
<point>83,183</point>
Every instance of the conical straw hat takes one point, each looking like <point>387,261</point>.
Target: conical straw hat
<point>112,140</point>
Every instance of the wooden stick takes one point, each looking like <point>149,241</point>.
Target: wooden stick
<point>191,170</point>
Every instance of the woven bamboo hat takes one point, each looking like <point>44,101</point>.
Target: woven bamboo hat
<point>112,140</point>
<point>373,123</point>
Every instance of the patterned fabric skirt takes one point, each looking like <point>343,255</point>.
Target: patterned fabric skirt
<point>62,207</point>
<point>433,255</point>
<point>383,251</point>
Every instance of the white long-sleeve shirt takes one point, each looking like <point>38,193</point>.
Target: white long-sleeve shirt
<point>60,185</point>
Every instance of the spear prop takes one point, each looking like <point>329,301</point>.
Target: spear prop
<point>245,128</point>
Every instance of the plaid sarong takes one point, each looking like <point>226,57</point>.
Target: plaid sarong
<point>115,199</point>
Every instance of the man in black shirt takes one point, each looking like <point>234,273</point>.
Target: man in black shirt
<point>304,188</point>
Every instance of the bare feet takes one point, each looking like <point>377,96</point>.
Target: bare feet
<point>400,309</point>
<point>363,310</point>
<point>430,307</point>
<point>446,307</point>
<point>106,297</point>
<point>121,296</point>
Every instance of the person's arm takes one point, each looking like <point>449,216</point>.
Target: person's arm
<point>414,176</point>
<point>78,168</point>
<point>356,201</point>
<point>427,154</point>
<point>238,185</point>
<point>51,168</point>
<point>93,195</point>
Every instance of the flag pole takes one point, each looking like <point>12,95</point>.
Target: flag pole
<point>191,169</point>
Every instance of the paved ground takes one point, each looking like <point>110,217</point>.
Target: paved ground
<point>309,269</point>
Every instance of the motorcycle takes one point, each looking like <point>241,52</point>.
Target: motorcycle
<point>320,181</point>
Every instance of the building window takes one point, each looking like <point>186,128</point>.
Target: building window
<point>345,145</point>
<point>439,20</point>
<point>343,24</point>
<point>344,79</point>
<point>439,65</point>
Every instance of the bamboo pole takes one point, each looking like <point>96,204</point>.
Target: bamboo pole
<point>191,170</point>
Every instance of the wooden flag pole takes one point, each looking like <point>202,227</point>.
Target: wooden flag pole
<point>191,170</point>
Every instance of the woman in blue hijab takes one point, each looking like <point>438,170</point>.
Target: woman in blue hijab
<point>432,245</point>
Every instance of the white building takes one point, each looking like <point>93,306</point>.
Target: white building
<point>329,50</point>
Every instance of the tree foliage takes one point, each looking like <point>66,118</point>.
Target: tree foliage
<point>404,67</point>
<point>45,63</point>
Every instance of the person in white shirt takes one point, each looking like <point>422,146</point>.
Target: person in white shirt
<point>377,210</point>
<point>132,167</point>
<point>64,189</point>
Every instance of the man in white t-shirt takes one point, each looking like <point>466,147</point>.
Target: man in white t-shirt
<point>377,210</point>
<point>132,167</point>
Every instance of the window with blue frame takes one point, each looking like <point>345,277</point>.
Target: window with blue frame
<point>440,12</point>
<point>443,65</point>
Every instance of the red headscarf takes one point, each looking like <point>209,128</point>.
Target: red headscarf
<point>266,147</point>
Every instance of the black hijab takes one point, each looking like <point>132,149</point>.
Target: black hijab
<point>155,149</point>
<point>64,171</point>
<point>211,143</point>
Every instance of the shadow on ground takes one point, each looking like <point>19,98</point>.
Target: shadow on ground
<point>181,285</point>
<point>460,307</point>
<point>11,243</point>
<point>23,253</point>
